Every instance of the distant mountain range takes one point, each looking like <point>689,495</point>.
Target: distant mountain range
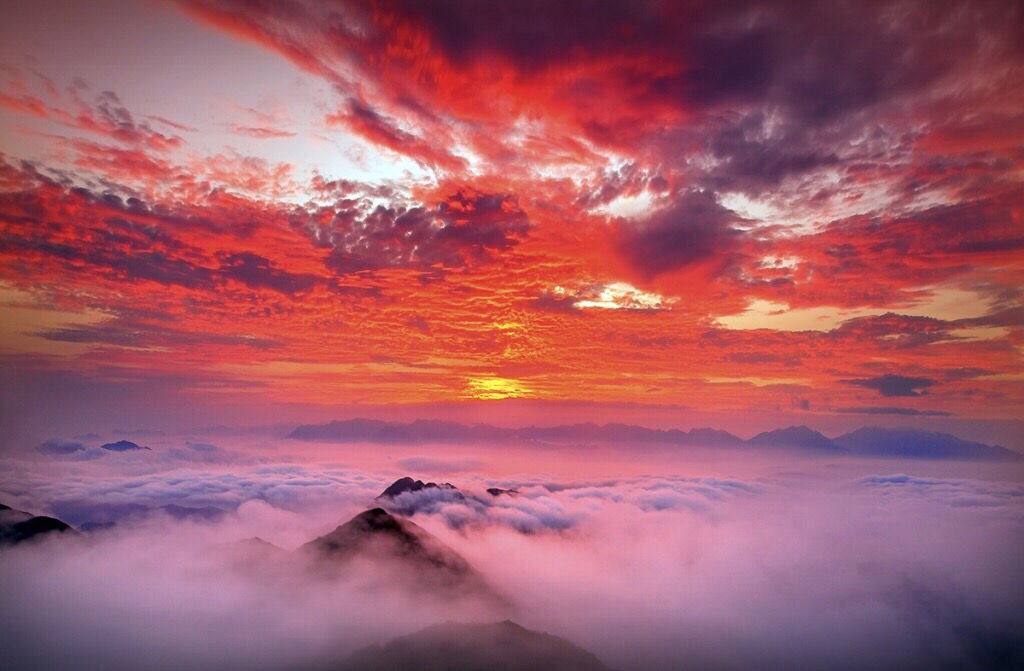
<point>864,442</point>
<point>429,430</point>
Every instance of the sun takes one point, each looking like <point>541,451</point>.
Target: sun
<point>493,387</point>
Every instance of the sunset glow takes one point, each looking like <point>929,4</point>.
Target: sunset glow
<point>386,212</point>
<point>714,294</point>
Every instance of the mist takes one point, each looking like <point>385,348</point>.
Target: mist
<point>825,564</point>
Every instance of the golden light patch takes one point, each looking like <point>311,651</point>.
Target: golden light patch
<point>492,388</point>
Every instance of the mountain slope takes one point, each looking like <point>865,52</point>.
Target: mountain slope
<point>795,437</point>
<point>17,526</point>
<point>502,646</point>
<point>386,542</point>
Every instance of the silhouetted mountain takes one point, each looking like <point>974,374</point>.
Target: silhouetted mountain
<point>497,491</point>
<point>17,526</point>
<point>914,444</point>
<point>407,484</point>
<point>257,544</point>
<point>381,538</point>
<point>502,646</point>
<point>795,437</point>
<point>123,446</point>
<point>407,497</point>
<point>256,554</point>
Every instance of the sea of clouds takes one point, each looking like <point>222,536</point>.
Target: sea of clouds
<point>813,567</point>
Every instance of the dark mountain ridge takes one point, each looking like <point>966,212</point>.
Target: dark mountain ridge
<point>912,444</point>
<point>17,526</point>
<point>426,431</point>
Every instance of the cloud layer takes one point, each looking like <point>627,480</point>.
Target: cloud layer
<point>886,571</point>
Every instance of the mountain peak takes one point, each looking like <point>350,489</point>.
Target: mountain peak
<point>473,646</point>
<point>407,484</point>
<point>123,446</point>
<point>379,536</point>
<point>801,437</point>
<point>375,519</point>
<point>394,549</point>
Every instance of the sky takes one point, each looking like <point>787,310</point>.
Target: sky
<point>741,214</point>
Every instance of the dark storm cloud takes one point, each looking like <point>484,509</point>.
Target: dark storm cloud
<point>770,90</point>
<point>813,59</point>
<point>81,231</point>
<point>753,159</point>
<point>894,330</point>
<point>693,230</point>
<point>469,228</point>
<point>124,238</point>
<point>118,254</point>
<point>980,226</point>
<point>895,385</point>
<point>1009,317</point>
<point>882,255</point>
<point>258,272</point>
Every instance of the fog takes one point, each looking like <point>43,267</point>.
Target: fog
<point>821,564</point>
